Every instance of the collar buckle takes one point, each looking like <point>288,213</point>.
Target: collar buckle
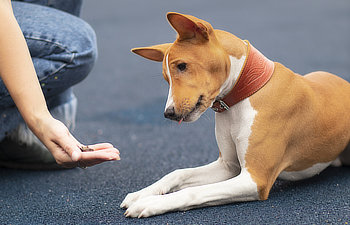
<point>220,106</point>
<point>223,105</point>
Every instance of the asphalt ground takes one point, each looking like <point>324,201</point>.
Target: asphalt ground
<point>122,102</point>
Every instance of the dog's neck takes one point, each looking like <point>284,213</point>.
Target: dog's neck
<point>235,71</point>
<point>247,75</point>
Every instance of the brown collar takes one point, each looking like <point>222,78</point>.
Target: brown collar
<point>256,72</point>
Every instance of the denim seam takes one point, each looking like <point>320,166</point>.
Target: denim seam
<point>60,46</point>
<point>50,41</point>
<point>59,68</point>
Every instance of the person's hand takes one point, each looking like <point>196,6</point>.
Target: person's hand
<point>66,149</point>
<point>18,74</point>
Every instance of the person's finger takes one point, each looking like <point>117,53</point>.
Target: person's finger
<point>76,155</point>
<point>101,146</point>
<point>105,155</point>
<point>89,159</point>
<point>70,145</point>
<point>59,155</point>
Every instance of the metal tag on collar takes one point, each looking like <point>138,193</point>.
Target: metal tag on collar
<point>224,105</point>
<point>215,109</point>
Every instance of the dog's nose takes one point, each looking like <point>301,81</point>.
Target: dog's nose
<point>170,113</point>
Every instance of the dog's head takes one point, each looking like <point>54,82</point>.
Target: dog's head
<point>195,66</point>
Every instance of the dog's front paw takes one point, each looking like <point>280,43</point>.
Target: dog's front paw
<point>133,197</point>
<point>129,200</point>
<point>146,207</point>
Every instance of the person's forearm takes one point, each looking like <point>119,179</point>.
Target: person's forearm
<point>17,70</point>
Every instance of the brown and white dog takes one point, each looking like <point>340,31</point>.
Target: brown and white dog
<point>270,122</point>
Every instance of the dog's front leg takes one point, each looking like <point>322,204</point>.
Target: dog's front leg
<point>237,189</point>
<point>179,179</point>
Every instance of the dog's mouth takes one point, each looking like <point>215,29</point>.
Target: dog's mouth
<point>191,115</point>
<point>194,114</point>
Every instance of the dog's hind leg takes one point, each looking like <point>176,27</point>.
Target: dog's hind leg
<point>179,179</point>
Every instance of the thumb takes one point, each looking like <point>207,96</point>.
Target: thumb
<point>76,155</point>
<point>70,145</point>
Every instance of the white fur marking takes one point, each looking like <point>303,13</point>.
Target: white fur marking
<point>170,101</point>
<point>235,127</point>
<point>237,189</point>
<point>307,173</point>
<point>235,70</point>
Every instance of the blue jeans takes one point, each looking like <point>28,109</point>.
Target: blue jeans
<point>63,49</point>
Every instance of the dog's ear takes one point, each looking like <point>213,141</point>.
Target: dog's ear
<point>189,27</point>
<point>155,52</point>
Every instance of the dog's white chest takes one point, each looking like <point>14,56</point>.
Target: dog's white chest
<point>233,129</point>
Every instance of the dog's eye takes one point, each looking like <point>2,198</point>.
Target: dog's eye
<point>182,66</point>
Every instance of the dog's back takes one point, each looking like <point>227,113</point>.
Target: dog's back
<point>312,115</point>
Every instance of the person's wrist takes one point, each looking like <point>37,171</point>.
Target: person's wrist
<point>38,121</point>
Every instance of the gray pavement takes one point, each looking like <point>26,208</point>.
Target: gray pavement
<point>122,102</point>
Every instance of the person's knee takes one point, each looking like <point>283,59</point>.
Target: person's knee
<point>63,47</point>
<point>84,53</point>
<point>69,59</point>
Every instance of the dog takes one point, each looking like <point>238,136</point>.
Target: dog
<point>269,123</point>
